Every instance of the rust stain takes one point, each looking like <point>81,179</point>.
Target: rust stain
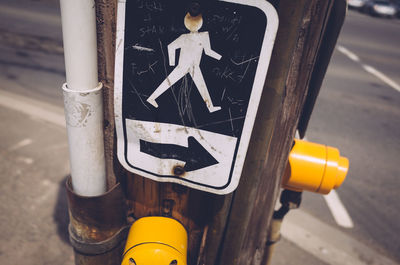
<point>178,170</point>
<point>182,129</point>
<point>193,23</point>
<point>157,128</point>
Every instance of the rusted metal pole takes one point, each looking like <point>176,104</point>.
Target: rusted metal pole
<point>97,226</point>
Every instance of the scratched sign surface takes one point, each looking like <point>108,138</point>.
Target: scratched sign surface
<point>187,88</point>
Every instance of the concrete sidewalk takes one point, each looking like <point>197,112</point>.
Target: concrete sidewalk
<point>33,166</point>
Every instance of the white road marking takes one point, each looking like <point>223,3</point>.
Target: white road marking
<point>328,244</point>
<point>20,144</point>
<point>33,108</point>
<point>352,56</point>
<point>382,77</point>
<point>348,53</point>
<point>338,210</point>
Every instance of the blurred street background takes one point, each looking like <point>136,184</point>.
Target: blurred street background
<point>358,111</point>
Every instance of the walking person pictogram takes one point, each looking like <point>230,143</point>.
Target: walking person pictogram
<point>192,46</point>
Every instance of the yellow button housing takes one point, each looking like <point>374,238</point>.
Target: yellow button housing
<point>314,167</point>
<point>156,240</point>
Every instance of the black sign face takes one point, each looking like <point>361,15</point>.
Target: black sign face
<point>188,87</point>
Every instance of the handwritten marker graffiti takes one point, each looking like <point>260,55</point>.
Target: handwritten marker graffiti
<point>191,45</point>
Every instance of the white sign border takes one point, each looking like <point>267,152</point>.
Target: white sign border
<point>258,85</point>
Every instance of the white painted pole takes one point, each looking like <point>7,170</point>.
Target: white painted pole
<point>78,19</point>
<point>83,98</point>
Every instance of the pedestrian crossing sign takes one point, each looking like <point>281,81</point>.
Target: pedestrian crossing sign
<point>188,86</point>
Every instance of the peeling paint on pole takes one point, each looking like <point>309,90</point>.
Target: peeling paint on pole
<point>84,118</point>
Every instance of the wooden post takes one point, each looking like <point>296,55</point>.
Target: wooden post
<point>230,229</point>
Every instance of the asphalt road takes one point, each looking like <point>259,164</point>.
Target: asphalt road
<point>357,111</point>
<point>31,53</point>
<point>360,114</point>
